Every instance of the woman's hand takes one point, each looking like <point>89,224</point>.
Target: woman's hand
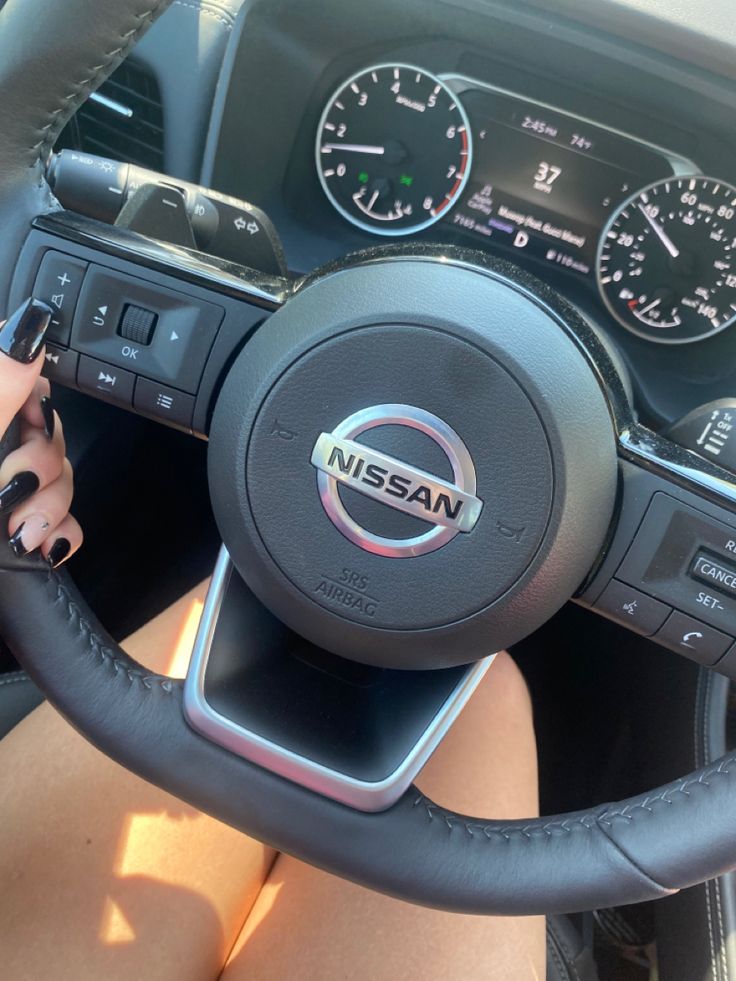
<point>36,481</point>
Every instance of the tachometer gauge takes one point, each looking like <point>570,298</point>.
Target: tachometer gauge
<point>393,149</point>
<point>667,260</point>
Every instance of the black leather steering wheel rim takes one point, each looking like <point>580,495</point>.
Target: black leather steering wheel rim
<point>643,848</point>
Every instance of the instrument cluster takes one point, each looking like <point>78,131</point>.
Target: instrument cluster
<point>399,149</point>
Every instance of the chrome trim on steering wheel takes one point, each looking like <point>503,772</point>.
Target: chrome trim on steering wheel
<point>361,795</point>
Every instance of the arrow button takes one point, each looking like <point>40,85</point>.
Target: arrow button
<point>60,365</point>
<point>106,381</point>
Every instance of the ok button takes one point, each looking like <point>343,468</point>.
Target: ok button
<point>146,328</point>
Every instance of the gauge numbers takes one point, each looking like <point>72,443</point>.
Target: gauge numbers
<point>393,149</point>
<point>666,262</point>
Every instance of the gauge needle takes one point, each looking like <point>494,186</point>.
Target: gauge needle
<point>661,234</point>
<point>355,147</point>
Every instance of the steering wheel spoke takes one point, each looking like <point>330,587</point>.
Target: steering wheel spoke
<point>142,324</point>
<point>669,571</point>
<point>356,734</point>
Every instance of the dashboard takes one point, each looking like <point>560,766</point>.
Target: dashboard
<point>399,150</point>
<point>593,156</point>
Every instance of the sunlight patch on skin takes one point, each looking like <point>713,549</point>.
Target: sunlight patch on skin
<point>151,845</point>
<point>182,652</point>
<point>260,911</point>
<point>115,928</point>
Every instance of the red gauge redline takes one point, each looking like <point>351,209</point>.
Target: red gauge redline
<point>393,149</point>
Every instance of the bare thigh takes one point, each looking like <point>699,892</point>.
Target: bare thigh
<point>308,925</point>
<point>105,876</point>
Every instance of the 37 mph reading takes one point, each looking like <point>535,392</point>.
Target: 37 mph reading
<point>666,262</point>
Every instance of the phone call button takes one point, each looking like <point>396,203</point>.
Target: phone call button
<point>692,638</point>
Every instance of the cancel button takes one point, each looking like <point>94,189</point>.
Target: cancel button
<point>716,573</point>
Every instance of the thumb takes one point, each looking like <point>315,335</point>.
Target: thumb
<point>21,342</point>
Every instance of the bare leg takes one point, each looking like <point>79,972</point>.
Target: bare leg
<point>105,876</point>
<point>309,925</point>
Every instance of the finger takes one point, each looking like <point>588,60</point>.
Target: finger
<point>36,455</point>
<point>34,410</point>
<point>63,543</point>
<point>35,521</point>
<point>36,463</point>
<point>21,342</point>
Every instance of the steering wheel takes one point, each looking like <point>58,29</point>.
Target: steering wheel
<point>479,363</point>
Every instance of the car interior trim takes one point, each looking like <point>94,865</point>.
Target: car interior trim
<point>246,284</point>
<point>360,794</point>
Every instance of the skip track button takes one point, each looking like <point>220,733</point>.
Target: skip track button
<point>106,381</point>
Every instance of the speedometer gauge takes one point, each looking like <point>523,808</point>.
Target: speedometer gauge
<point>393,149</point>
<point>667,260</point>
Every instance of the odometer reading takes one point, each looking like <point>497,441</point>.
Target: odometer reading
<point>667,260</point>
<point>393,149</point>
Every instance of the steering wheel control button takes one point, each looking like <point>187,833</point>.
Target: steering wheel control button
<point>106,381</point>
<point>634,609</point>
<point>164,403</point>
<point>180,337</point>
<point>60,365</point>
<point>714,572</point>
<point>58,282</point>
<point>137,324</point>
<point>710,431</point>
<point>683,557</point>
<point>158,211</point>
<point>694,639</point>
<point>451,506</point>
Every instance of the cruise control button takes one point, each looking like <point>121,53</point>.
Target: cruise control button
<point>105,380</point>
<point>60,365</point>
<point>694,639</point>
<point>58,282</point>
<point>164,403</point>
<point>719,574</point>
<point>635,610</point>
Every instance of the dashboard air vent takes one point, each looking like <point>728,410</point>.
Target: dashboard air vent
<point>122,120</point>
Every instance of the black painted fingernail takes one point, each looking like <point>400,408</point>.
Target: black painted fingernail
<point>58,552</point>
<point>22,334</point>
<point>16,543</point>
<point>18,489</point>
<point>49,418</point>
